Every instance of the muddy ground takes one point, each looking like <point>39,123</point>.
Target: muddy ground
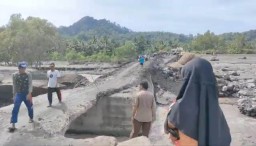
<point>78,101</point>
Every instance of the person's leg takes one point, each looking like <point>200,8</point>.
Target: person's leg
<point>146,128</point>
<point>16,108</point>
<point>29,106</point>
<point>49,96</point>
<point>136,128</point>
<point>58,94</point>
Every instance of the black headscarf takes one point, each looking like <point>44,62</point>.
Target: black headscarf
<point>196,112</point>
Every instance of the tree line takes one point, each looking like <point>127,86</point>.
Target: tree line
<point>35,40</point>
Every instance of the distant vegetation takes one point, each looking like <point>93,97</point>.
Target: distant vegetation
<point>35,40</point>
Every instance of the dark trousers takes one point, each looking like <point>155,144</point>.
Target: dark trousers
<point>19,98</point>
<point>50,91</point>
<point>137,126</point>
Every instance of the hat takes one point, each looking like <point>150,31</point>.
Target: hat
<point>22,64</point>
<point>186,57</point>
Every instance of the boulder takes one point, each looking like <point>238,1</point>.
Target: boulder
<point>247,106</point>
<point>225,69</point>
<point>72,80</point>
<point>250,81</point>
<point>234,73</point>
<point>245,93</point>
<point>227,77</point>
<point>224,89</point>
<point>250,85</point>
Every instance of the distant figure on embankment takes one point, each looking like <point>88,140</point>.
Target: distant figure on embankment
<point>141,60</point>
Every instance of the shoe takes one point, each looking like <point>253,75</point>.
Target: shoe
<point>31,120</point>
<point>12,129</point>
<point>49,106</point>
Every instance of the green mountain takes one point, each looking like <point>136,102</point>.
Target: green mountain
<point>102,33</point>
<point>88,26</point>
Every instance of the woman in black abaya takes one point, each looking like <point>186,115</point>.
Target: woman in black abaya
<point>196,118</point>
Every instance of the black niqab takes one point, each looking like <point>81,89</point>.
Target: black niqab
<point>196,112</point>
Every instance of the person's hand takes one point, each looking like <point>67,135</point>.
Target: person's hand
<point>172,138</point>
<point>29,97</point>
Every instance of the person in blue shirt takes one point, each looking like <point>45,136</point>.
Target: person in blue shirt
<point>141,60</point>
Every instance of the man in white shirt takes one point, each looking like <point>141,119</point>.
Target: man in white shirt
<point>53,76</point>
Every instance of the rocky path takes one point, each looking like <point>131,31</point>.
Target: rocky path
<point>157,135</point>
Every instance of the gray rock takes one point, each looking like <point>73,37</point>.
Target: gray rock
<point>224,88</point>
<point>218,75</point>
<point>250,85</point>
<point>221,81</point>
<point>233,79</point>
<point>234,73</point>
<point>227,77</point>
<point>253,114</point>
<point>225,69</point>
<point>230,87</point>
<point>251,81</point>
<point>221,94</point>
<point>245,103</point>
<point>245,93</point>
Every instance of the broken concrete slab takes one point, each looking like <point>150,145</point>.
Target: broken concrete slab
<point>53,122</point>
<point>138,141</point>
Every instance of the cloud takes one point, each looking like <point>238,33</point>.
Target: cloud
<point>179,16</point>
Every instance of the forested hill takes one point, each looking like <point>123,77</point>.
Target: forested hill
<point>249,35</point>
<point>90,26</point>
<point>89,30</point>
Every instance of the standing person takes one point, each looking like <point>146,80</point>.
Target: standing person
<point>53,76</point>
<point>144,111</point>
<point>22,92</point>
<point>141,60</point>
<point>196,119</point>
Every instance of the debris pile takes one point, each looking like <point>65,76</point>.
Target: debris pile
<point>73,80</point>
<point>230,84</point>
<point>247,106</point>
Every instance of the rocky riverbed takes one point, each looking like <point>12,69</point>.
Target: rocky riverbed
<point>51,124</point>
<point>235,75</point>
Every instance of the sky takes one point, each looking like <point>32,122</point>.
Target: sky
<point>177,16</point>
